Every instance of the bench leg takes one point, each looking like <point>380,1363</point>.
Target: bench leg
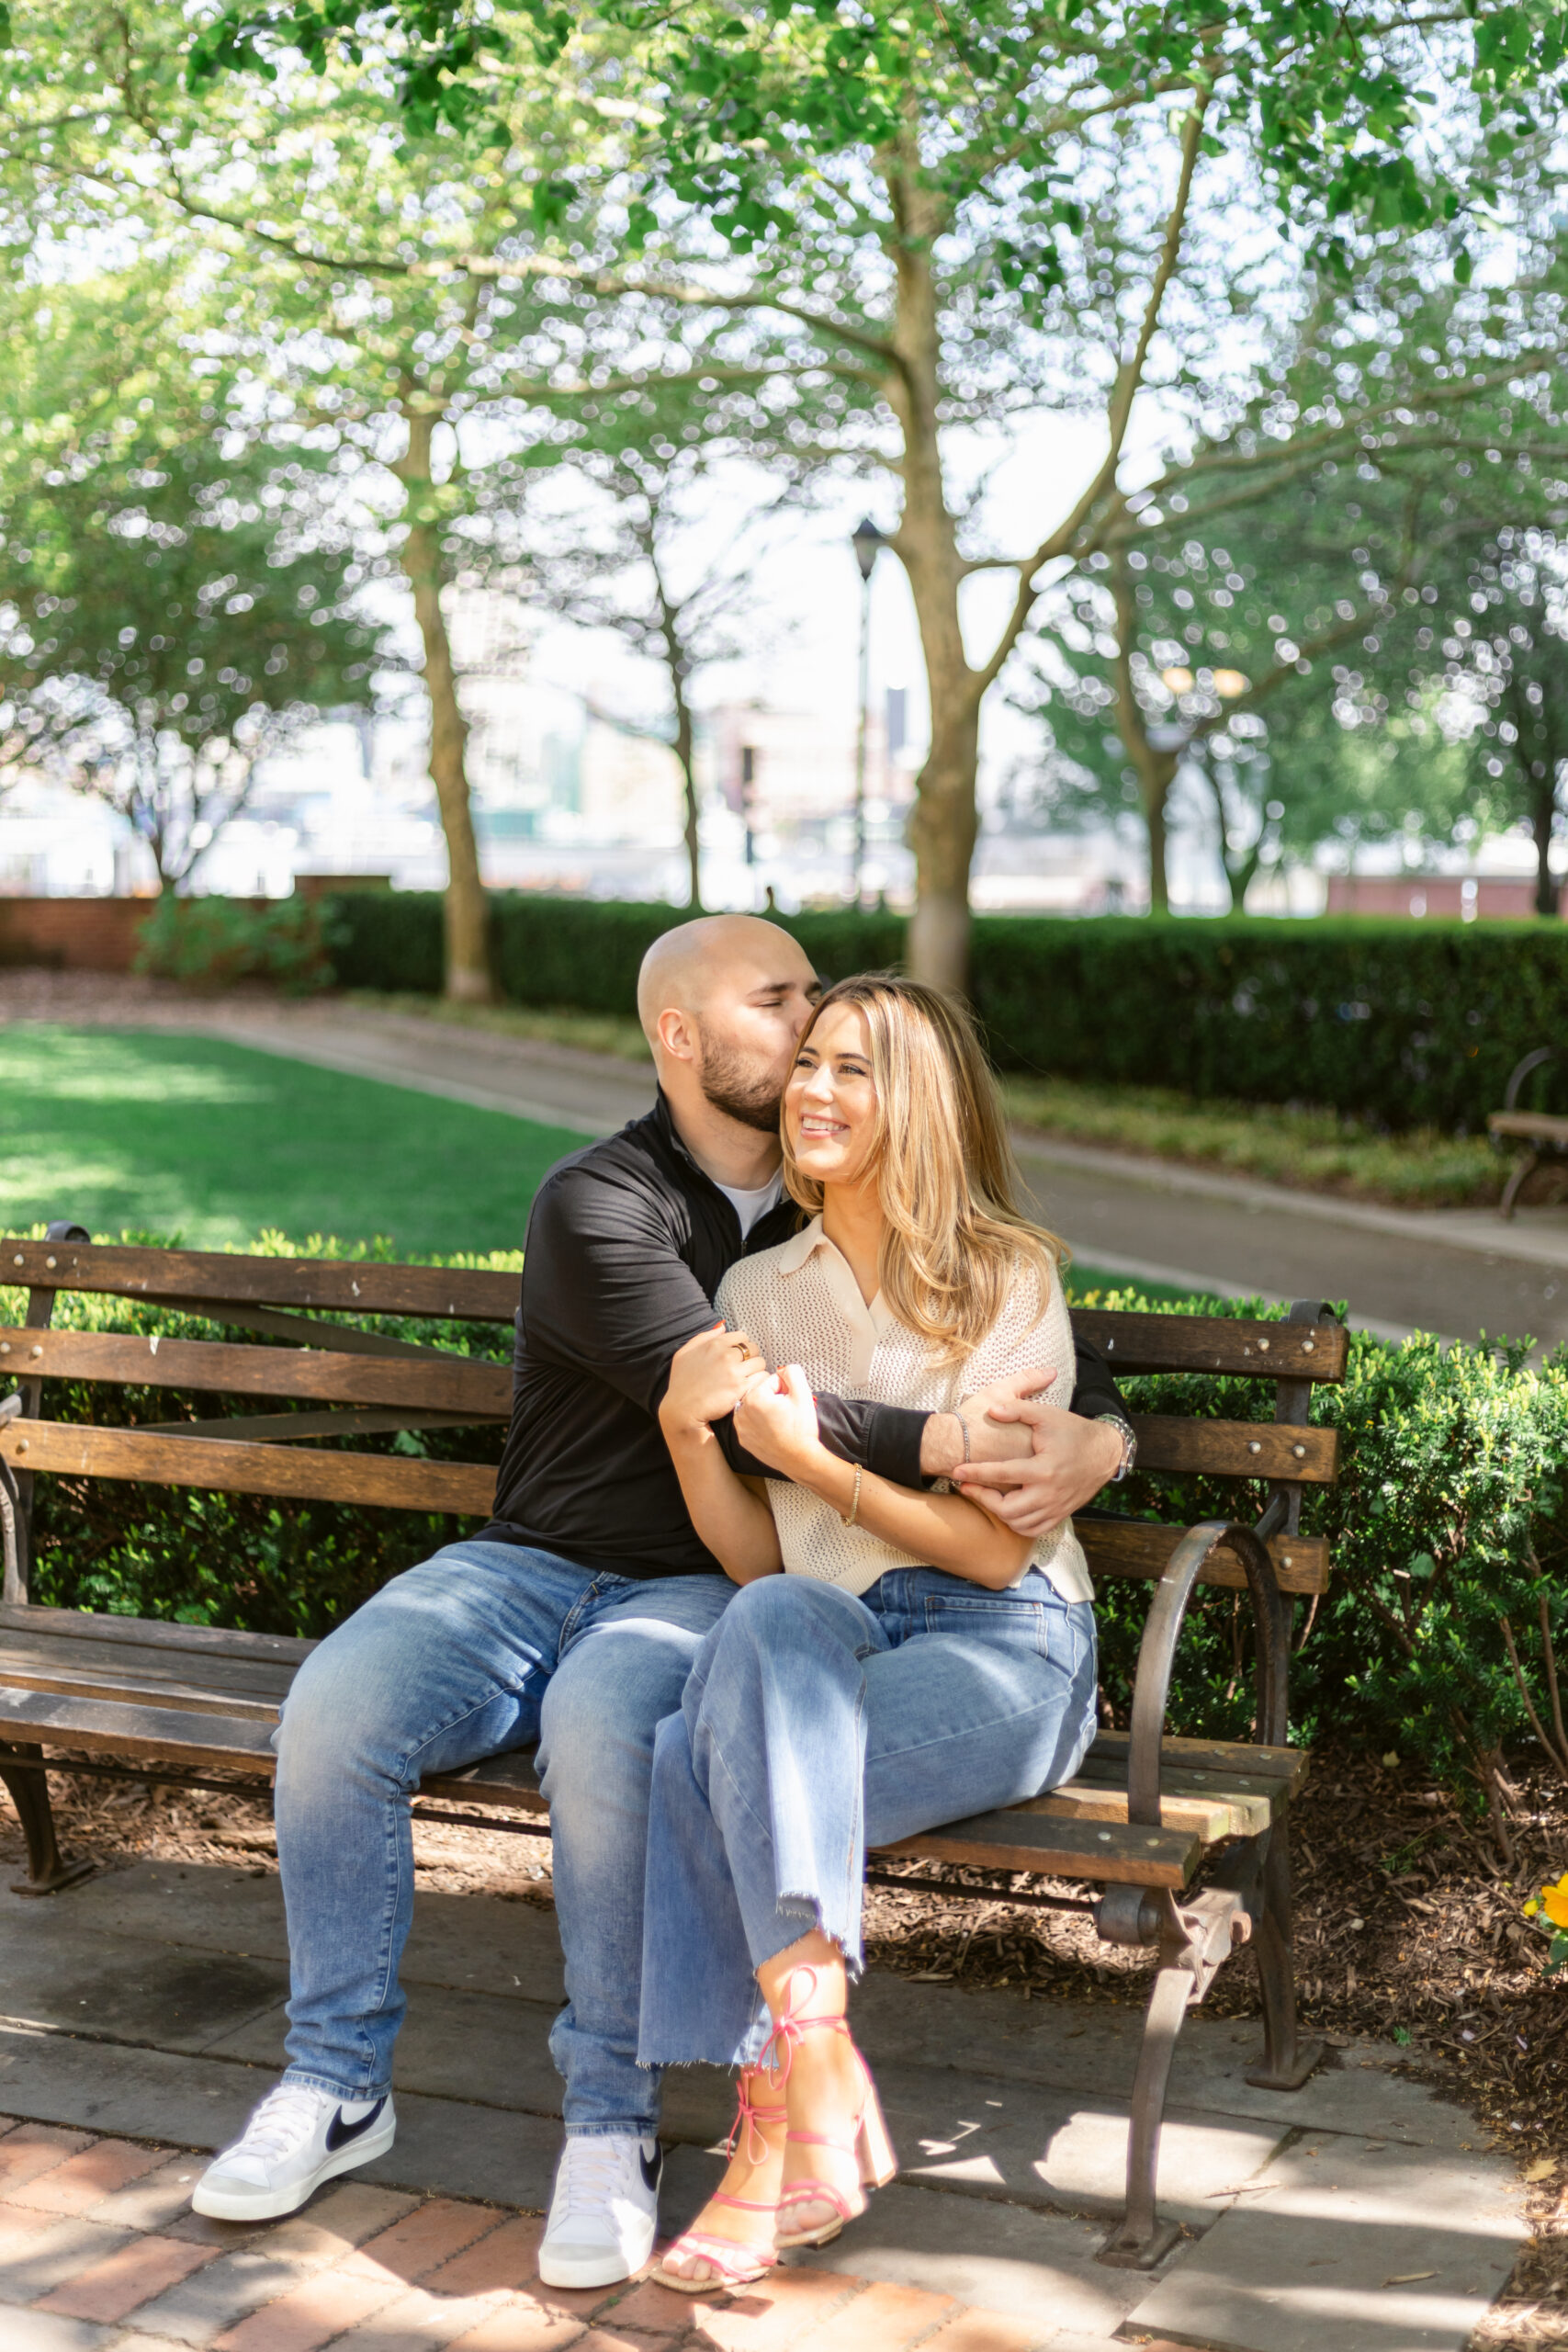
<point>1525,1166</point>
<point>1287,2061</point>
<point>1143,2240</point>
<point>47,1873</point>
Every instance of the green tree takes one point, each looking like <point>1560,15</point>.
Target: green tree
<point>1003,211</point>
<point>635,551</point>
<point>1253,623</point>
<point>176,600</point>
<point>413,307</point>
<point>1500,635</point>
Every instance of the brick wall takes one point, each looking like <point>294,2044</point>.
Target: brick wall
<point>72,935</point>
<point>1491,898</point>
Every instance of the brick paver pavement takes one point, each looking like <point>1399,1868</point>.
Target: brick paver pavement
<point>99,2254</point>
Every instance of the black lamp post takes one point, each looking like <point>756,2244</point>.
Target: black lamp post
<point>868,543</point>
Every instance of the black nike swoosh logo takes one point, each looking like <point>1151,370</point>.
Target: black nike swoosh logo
<point>652,2168</point>
<point>340,2133</point>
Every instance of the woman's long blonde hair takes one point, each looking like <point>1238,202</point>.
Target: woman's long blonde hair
<point>945,1172</point>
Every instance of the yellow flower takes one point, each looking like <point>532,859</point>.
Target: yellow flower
<point>1530,1909</point>
<point>1555,1902</point>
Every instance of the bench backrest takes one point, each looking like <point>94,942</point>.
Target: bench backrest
<point>370,1383</point>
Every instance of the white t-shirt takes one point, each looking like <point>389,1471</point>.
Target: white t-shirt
<point>750,1206</point>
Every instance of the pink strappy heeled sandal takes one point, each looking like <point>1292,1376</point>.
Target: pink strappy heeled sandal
<point>866,2140</point>
<point>732,2263</point>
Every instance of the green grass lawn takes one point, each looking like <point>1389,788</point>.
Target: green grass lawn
<point>1315,1150</point>
<point>196,1140</point>
<point>212,1143</point>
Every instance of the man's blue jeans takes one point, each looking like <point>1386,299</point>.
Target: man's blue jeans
<point>815,1724</point>
<point>485,1647</point>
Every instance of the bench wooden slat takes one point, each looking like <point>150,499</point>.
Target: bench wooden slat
<point>511,1780</point>
<point>136,1672</point>
<point>99,1724</point>
<point>1209,1814</point>
<point>1236,1449</point>
<point>1263,1350</point>
<point>1287,1764</point>
<point>466,1487</point>
<point>430,1382</point>
<point>1140,1549</point>
<point>304,1330</point>
<point>1109,1772</point>
<point>344,1286</point>
<point>123,1689</point>
<point>1543,1125</point>
<point>289,1429</point>
<point>159,1634</point>
<point>1023,1840</point>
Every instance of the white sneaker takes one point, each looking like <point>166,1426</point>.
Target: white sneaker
<point>605,2211</point>
<point>296,2138</point>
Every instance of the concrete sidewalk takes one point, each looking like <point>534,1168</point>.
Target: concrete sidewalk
<point>1458,1273</point>
<point>1358,2215</point>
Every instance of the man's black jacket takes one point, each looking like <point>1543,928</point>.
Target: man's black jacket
<point>628,1242</point>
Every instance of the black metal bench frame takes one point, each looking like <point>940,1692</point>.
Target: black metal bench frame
<point>1543,1134</point>
<point>134,1699</point>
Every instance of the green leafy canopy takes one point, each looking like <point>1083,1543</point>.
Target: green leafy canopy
<point>1338,100</point>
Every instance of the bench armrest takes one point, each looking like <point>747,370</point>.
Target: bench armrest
<point>1157,1653</point>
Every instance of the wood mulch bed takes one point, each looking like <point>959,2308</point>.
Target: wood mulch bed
<point>1406,1931</point>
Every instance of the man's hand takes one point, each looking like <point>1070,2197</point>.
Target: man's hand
<point>1072,1460</point>
<point>708,1378</point>
<point>989,1416</point>
<point>776,1420</point>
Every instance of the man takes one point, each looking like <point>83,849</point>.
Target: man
<point>574,1618</point>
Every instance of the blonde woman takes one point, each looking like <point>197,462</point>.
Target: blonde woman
<point>916,1662</point>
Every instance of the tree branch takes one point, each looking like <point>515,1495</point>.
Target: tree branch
<point>1128,379</point>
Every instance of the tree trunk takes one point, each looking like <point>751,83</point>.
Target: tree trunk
<point>944,823</point>
<point>941,835</point>
<point>469,979</point>
<point>684,750</point>
<point>1237,898</point>
<point>1156,771</point>
<point>678,664</point>
<point>1543,809</point>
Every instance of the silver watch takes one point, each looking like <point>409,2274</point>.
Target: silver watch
<point>1129,1446</point>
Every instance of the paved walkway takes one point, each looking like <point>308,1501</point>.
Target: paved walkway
<point>142,2017</point>
<point>1461,1272</point>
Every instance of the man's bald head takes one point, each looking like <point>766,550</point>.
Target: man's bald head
<point>686,968</point>
<point>722,1002</point>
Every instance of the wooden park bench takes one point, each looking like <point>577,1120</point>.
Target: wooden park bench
<point>1543,1134</point>
<point>137,1698</point>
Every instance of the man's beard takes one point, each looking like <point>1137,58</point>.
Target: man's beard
<point>735,1087</point>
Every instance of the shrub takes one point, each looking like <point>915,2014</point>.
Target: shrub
<point>1448,1609</point>
<point>244,1560</point>
<point>1440,1633</point>
<point>214,942</point>
<point>1402,1024</point>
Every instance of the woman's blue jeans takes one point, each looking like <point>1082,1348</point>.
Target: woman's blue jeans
<point>487,1646</point>
<point>812,1726</point>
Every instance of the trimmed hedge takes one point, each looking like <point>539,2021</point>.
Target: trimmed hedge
<point>1401,1023</point>
<point>1448,1530</point>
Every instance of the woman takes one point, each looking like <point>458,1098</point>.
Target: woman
<point>917,1662</point>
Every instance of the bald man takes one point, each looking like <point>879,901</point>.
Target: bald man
<point>574,1618</point>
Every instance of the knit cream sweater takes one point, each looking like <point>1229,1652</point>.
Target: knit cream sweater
<point>801,1305</point>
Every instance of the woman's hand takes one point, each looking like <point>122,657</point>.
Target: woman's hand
<point>776,1420</point>
<point>708,1378</point>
